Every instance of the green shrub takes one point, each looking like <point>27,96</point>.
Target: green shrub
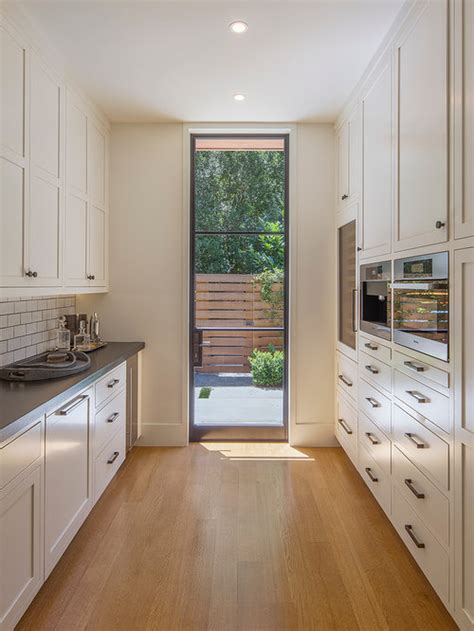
<point>267,367</point>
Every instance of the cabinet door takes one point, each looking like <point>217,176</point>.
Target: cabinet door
<point>20,547</point>
<point>376,228</point>
<point>13,157</point>
<point>97,264</point>
<point>347,284</point>
<point>355,154</point>
<point>343,164</point>
<point>422,69</point>
<point>44,242</point>
<point>97,150</point>
<point>464,435</point>
<point>68,488</point>
<point>464,99</point>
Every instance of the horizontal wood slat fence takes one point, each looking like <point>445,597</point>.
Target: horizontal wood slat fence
<point>233,300</point>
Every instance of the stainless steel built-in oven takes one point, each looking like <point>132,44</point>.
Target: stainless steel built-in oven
<point>375,303</point>
<point>421,304</point>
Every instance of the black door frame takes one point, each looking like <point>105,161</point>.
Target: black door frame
<point>245,432</point>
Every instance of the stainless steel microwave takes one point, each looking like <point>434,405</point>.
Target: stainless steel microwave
<point>421,304</point>
<point>375,299</point>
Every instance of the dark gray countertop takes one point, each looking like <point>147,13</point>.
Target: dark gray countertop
<point>22,403</point>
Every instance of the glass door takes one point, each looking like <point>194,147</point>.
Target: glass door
<point>239,287</point>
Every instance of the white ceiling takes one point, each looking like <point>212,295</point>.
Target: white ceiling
<point>166,61</point>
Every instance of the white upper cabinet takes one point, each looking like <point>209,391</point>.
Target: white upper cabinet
<point>14,167</point>
<point>377,195</point>
<point>464,115</point>
<point>421,57</point>
<point>349,159</point>
<point>76,146</point>
<point>97,165</point>
<point>44,235</point>
<point>97,250</point>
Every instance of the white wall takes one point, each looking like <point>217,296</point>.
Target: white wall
<point>148,301</point>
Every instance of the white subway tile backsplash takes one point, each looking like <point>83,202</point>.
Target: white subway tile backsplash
<point>28,327</point>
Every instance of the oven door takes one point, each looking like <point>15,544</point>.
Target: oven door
<point>421,316</point>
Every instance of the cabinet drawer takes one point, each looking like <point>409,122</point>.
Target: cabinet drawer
<point>347,375</point>
<point>428,402</point>
<point>109,385</point>
<point>422,446</point>
<point>376,478</point>
<point>426,550</point>
<point>375,441</point>
<point>346,423</point>
<point>376,371</point>
<point>376,406</point>
<point>430,504</point>
<point>421,370</point>
<point>109,420</point>
<point>19,454</point>
<point>384,353</point>
<point>108,462</point>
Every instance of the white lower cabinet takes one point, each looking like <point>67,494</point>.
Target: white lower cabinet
<point>108,462</point>
<point>68,484</point>
<point>21,559</point>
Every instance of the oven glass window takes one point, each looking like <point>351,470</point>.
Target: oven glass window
<point>423,312</point>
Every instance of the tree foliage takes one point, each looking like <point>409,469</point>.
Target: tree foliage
<point>239,191</point>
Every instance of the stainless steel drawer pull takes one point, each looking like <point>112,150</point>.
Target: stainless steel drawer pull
<point>72,406</point>
<point>373,402</point>
<point>373,347</point>
<point>368,470</point>
<point>113,417</point>
<point>413,537</point>
<point>372,438</point>
<point>415,440</point>
<point>113,457</point>
<point>414,366</point>
<point>344,425</point>
<point>345,380</point>
<point>417,494</point>
<point>419,398</point>
<point>374,371</point>
<point>113,383</point>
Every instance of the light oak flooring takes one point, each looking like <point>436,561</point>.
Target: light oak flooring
<point>246,537</point>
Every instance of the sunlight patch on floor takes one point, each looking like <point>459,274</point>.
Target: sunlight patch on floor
<point>257,451</point>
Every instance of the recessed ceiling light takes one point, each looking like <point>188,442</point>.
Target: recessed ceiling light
<point>239,97</point>
<point>238,27</point>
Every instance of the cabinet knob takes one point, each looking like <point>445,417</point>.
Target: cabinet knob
<point>91,277</point>
<point>344,197</point>
<point>359,249</point>
<point>31,274</point>
<point>440,224</point>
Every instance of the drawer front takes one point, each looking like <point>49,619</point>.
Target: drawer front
<point>430,504</point>
<point>376,371</point>
<point>376,479</point>
<point>428,402</point>
<point>422,446</point>
<point>377,350</point>
<point>109,420</point>
<point>19,454</point>
<point>346,423</point>
<point>113,382</point>
<point>375,441</point>
<point>347,375</point>
<point>421,370</point>
<point>426,550</point>
<point>376,406</point>
<point>108,462</point>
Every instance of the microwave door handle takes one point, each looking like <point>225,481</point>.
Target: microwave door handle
<point>414,286</point>
<point>355,327</point>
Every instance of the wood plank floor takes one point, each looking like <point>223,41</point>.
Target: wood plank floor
<point>245,537</point>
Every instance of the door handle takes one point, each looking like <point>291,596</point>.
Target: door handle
<point>413,537</point>
<point>113,383</point>
<point>113,457</point>
<point>113,417</point>
<point>372,347</point>
<point>345,380</point>
<point>414,366</point>
<point>355,326</point>
<point>419,398</point>
<point>372,438</point>
<point>72,406</point>
<point>416,493</point>
<point>373,370</point>
<point>373,402</point>
<point>344,425</point>
<point>419,444</point>
<point>368,470</point>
